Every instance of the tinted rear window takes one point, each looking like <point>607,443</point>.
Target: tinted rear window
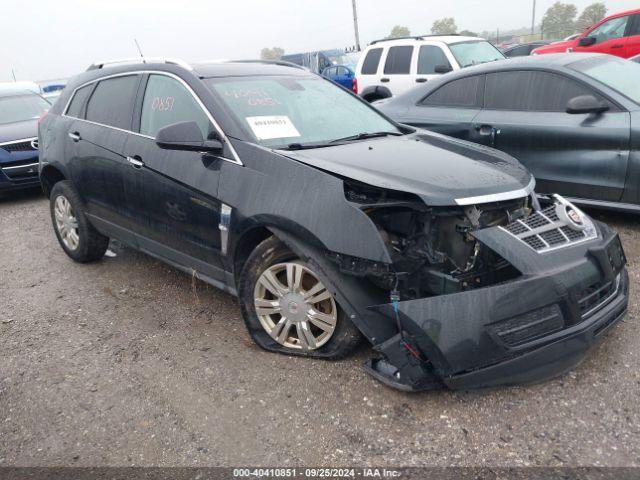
<point>463,93</point>
<point>371,61</point>
<point>398,60</point>
<point>75,107</point>
<point>112,102</point>
<point>531,91</point>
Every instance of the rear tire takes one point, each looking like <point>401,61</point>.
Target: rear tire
<point>287,309</point>
<point>77,237</point>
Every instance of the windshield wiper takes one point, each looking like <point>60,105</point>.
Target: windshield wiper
<point>364,136</point>
<point>304,146</point>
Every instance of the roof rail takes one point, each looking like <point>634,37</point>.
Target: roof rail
<point>99,65</point>
<point>282,63</point>
<point>413,37</point>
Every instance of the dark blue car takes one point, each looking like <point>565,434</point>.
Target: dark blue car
<point>19,113</point>
<point>342,75</point>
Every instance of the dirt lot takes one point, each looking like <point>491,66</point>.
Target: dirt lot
<point>130,362</point>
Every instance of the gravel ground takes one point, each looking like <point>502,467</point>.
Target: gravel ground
<point>130,362</point>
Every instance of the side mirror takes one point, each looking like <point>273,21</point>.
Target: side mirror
<point>586,104</point>
<point>442,69</point>
<point>186,136</point>
<point>586,41</point>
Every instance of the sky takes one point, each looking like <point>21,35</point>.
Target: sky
<point>49,39</point>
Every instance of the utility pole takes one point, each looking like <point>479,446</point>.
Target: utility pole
<point>355,25</point>
<point>13,74</point>
<point>533,18</point>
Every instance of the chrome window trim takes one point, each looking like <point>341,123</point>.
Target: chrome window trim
<point>30,139</point>
<point>21,166</point>
<point>498,197</point>
<point>216,125</point>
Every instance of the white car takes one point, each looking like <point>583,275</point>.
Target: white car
<point>391,67</point>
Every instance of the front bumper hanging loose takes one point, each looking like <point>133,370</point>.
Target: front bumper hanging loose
<point>525,330</point>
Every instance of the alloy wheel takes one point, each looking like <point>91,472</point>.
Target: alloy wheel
<point>294,307</point>
<point>66,222</point>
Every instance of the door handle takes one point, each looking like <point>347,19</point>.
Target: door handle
<point>135,162</point>
<point>484,130</point>
<point>385,80</point>
<point>75,136</point>
<point>617,45</point>
<point>421,80</point>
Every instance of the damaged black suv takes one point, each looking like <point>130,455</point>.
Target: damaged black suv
<point>331,222</point>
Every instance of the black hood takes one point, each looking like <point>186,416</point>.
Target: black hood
<point>441,170</point>
<point>19,130</point>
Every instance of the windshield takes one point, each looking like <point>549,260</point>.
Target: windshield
<point>21,107</point>
<point>282,111</point>
<point>616,73</point>
<point>475,52</point>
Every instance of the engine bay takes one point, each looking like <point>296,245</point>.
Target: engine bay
<point>432,249</point>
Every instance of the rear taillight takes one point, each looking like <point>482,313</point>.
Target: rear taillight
<point>354,85</point>
<point>42,115</point>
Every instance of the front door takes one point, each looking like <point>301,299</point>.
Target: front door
<point>180,188</point>
<point>610,37</point>
<point>582,156</point>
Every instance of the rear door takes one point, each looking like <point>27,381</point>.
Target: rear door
<point>583,155</point>
<point>183,215</point>
<point>611,37</point>
<point>99,168</point>
<point>398,70</point>
<point>451,109</point>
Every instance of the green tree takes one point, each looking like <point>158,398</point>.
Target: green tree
<point>399,31</point>
<point>274,53</point>
<point>591,14</point>
<point>444,26</point>
<point>559,20</point>
<point>468,33</point>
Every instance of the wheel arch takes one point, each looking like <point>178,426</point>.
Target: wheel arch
<point>259,229</point>
<point>49,176</point>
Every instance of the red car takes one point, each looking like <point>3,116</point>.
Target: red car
<point>617,35</point>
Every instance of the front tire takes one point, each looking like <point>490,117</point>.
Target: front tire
<point>77,237</point>
<point>288,309</point>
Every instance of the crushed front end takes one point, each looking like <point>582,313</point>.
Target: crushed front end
<point>491,294</point>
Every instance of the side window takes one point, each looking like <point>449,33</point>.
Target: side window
<point>635,25</point>
<point>77,102</point>
<point>518,51</point>
<point>429,57</point>
<point>371,61</point>
<point>398,60</point>
<point>610,30</point>
<point>112,102</point>
<point>167,101</point>
<point>463,93</point>
<point>531,91</point>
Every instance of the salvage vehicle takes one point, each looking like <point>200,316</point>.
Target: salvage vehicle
<point>19,113</point>
<point>392,66</point>
<point>331,222</point>
<point>572,119</point>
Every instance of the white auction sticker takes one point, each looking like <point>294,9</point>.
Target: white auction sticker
<point>272,126</point>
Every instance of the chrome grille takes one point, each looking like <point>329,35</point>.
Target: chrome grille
<point>545,230</point>
<point>26,145</point>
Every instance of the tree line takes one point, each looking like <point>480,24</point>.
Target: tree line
<point>560,20</point>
